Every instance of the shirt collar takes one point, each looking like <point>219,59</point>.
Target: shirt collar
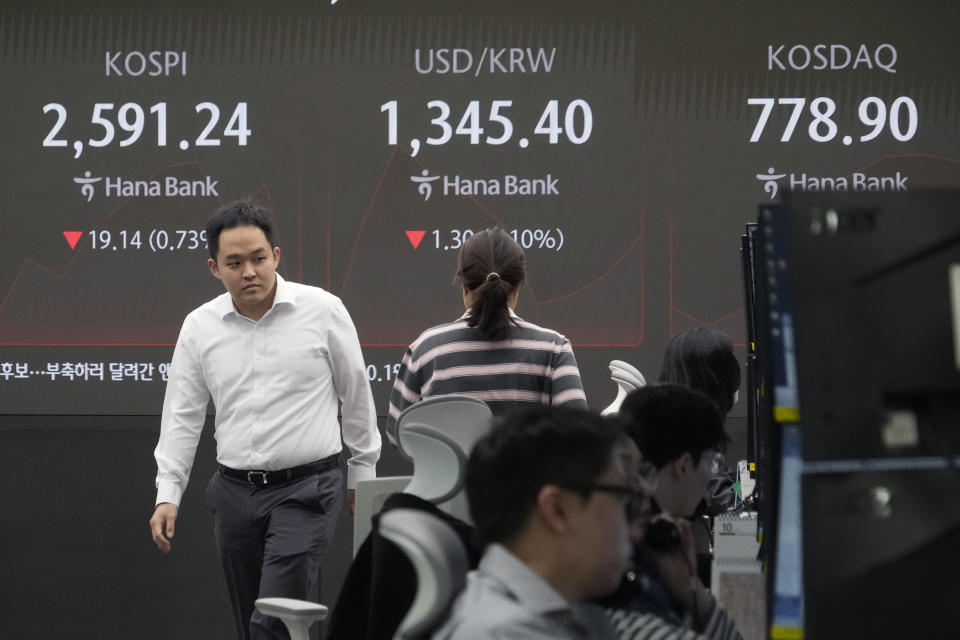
<point>531,590</point>
<point>284,295</point>
<point>509,310</point>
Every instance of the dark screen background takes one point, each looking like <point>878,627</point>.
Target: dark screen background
<point>650,205</point>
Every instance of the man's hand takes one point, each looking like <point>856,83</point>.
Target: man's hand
<point>162,525</point>
<point>351,500</point>
<point>677,567</point>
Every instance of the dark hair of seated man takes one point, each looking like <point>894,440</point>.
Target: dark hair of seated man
<point>548,493</point>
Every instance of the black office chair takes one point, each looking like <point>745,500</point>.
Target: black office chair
<point>440,561</point>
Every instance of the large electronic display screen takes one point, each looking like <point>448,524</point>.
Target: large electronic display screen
<point>624,144</point>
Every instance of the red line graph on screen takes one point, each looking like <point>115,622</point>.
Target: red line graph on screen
<point>712,322</point>
<point>635,244</point>
<point>614,262</point>
<point>82,250</point>
<point>674,309</point>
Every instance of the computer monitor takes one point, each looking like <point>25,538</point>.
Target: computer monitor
<point>748,258</point>
<point>867,289</point>
<point>778,439</point>
<point>875,283</point>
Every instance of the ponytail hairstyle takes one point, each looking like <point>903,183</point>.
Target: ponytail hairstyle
<point>491,266</point>
<point>703,359</point>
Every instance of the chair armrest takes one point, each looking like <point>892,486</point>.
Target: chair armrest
<point>292,609</point>
<point>371,494</point>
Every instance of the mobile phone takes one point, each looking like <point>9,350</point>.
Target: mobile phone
<point>662,535</point>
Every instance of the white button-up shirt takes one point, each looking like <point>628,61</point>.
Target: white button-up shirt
<point>275,385</point>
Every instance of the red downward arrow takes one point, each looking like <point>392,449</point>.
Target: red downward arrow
<point>415,237</point>
<point>72,238</point>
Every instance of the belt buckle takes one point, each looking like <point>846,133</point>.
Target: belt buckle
<point>251,475</point>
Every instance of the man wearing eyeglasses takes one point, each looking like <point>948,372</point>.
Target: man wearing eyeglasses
<point>677,433</point>
<point>550,498</point>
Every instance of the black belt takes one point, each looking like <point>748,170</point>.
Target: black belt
<point>280,476</point>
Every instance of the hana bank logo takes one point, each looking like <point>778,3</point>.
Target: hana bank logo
<point>168,187</point>
<point>423,180</point>
<point>855,181</point>
<point>86,185</point>
<point>769,180</point>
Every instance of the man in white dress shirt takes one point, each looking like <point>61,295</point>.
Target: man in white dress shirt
<point>277,358</point>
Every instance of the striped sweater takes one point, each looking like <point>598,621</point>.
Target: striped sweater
<point>533,366</point>
<point>634,625</point>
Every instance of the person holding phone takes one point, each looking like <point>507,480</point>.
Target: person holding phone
<point>662,596</point>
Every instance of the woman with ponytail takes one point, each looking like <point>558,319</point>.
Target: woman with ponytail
<point>489,353</point>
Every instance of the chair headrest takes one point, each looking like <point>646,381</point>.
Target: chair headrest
<point>439,462</point>
<point>624,371</point>
<point>437,434</point>
<point>628,378</point>
<point>439,559</point>
<point>462,418</point>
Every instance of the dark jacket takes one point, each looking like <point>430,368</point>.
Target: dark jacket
<point>381,582</point>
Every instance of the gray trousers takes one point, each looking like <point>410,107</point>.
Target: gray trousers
<point>271,540</point>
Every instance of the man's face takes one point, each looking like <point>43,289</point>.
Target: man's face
<point>246,264</point>
<point>641,510</point>
<point>696,481</point>
<point>600,534</point>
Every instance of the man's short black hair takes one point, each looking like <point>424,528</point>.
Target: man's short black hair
<point>668,420</point>
<point>237,214</point>
<point>526,451</point>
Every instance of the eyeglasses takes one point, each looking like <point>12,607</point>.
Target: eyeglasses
<point>646,470</point>
<point>633,499</point>
<point>649,474</point>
